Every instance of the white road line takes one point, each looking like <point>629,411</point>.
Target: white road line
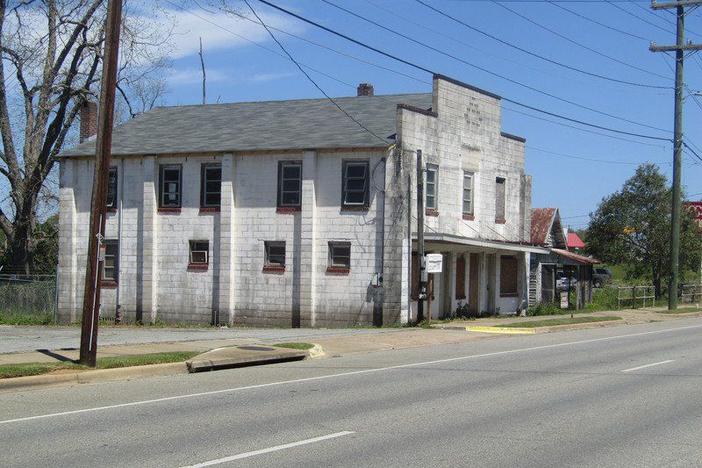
<point>648,365</point>
<point>343,374</point>
<point>270,449</point>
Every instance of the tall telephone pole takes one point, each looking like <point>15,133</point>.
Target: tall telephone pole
<point>103,152</point>
<point>679,48</point>
<point>422,287</point>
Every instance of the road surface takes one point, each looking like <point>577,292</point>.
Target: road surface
<point>619,396</point>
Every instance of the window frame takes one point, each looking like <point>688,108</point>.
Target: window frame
<point>332,265</point>
<point>204,167</point>
<point>162,169</point>
<point>192,248</point>
<point>500,181</point>
<point>471,191</point>
<point>281,184</point>
<point>112,188</point>
<point>434,169</point>
<point>268,265</point>
<point>114,278</point>
<point>346,164</point>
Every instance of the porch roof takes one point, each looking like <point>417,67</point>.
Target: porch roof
<point>485,243</point>
<point>582,259</point>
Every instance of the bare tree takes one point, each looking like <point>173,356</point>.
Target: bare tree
<point>51,51</point>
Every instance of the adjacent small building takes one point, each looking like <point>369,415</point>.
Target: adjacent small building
<point>559,262</point>
<point>289,213</point>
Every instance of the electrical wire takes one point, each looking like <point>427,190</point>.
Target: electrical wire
<point>539,56</point>
<point>579,44</point>
<point>419,67</point>
<point>485,70</point>
<point>385,141</point>
<point>586,18</point>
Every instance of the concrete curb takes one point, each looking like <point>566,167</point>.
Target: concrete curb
<point>94,376</point>
<point>502,330</point>
<point>205,365</point>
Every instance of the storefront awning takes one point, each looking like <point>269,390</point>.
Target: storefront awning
<point>581,259</point>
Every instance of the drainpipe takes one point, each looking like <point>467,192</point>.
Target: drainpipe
<point>120,177</point>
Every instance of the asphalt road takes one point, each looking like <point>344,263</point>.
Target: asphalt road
<point>620,396</point>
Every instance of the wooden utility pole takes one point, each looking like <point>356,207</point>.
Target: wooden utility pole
<point>422,290</point>
<point>679,48</point>
<point>103,151</point>
<point>204,77</point>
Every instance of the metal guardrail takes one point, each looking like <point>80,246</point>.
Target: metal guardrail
<point>690,293</point>
<point>632,295</point>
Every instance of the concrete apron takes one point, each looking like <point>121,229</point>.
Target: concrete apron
<point>242,356</point>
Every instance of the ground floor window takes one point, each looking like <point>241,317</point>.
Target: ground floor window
<point>199,254</point>
<point>339,256</point>
<point>508,276</point>
<point>460,277</point>
<point>274,255</point>
<point>110,266</point>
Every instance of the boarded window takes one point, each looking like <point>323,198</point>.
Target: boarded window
<point>110,266</point>
<point>355,184</point>
<point>467,193</point>
<point>508,276</point>
<point>461,277</point>
<point>170,186</point>
<point>432,187</point>
<point>289,184</point>
<point>499,200</point>
<point>210,185</point>
<point>111,201</point>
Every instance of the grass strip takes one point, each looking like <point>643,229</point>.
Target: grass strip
<point>9,371</point>
<point>19,318</point>
<point>558,321</point>
<point>301,346</point>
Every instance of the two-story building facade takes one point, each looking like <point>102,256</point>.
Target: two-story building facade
<point>289,213</point>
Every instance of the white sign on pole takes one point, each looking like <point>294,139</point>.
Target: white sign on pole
<point>434,263</point>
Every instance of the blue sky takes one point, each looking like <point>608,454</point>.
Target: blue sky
<point>241,71</point>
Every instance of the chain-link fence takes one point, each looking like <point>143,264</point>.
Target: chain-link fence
<point>31,296</point>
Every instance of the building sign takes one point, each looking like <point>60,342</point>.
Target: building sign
<point>434,263</point>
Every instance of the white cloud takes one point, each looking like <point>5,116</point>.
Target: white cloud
<point>193,75</point>
<point>218,31</point>
<point>265,77</point>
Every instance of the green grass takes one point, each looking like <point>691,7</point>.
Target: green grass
<point>112,362</point>
<point>302,346</point>
<point>558,321</point>
<point>20,318</point>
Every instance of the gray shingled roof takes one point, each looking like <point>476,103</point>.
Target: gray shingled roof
<point>271,125</point>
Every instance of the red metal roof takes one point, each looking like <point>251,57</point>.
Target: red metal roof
<point>574,241</point>
<point>541,220</point>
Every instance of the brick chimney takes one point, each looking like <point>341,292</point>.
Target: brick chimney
<point>88,120</point>
<point>364,89</point>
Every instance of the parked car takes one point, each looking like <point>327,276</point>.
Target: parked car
<point>601,276</point>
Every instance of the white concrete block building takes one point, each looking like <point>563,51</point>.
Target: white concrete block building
<point>288,213</point>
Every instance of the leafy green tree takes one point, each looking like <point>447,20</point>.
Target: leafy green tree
<point>632,227</point>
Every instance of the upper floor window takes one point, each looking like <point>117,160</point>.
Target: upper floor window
<point>468,193</point>
<point>110,265</point>
<point>111,200</point>
<point>170,186</point>
<point>355,183</point>
<point>289,184</point>
<point>210,185</point>
<point>432,186</point>
<point>499,200</point>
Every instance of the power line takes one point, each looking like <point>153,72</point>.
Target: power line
<point>539,56</point>
<point>581,158</point>
<point>385,141</point>
<point>586,18</point>
<point>651,23</point>
<point>485,70</point>
<point>579,44</point>
<point>419,67</point>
